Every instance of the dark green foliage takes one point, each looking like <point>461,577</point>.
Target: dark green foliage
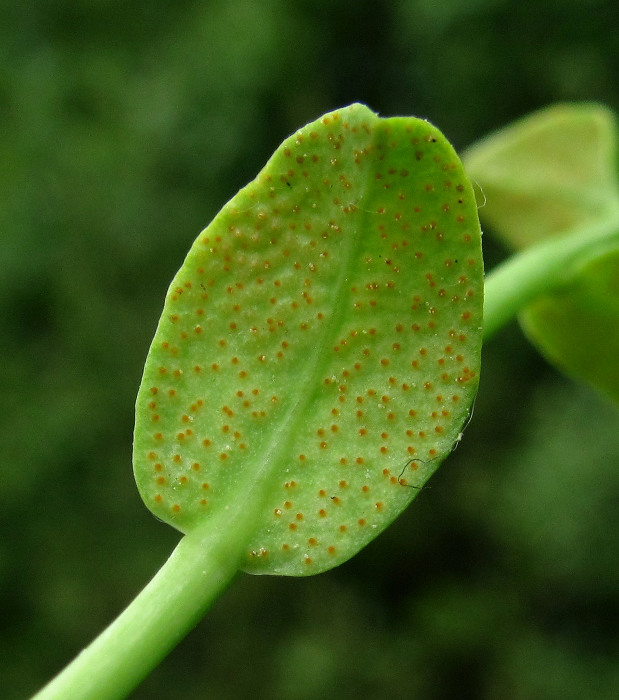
<point>124,128</point>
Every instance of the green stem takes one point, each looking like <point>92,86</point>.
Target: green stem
<point>173,602</point>
<point>542,269</point>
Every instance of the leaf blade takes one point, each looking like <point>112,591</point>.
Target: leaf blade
<point>553,174</point>
<point>292,341</point>
<point>547,173</point>
<point>586,306</point>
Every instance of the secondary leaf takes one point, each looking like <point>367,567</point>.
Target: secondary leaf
<point>551,174</point>
<point>547,173</point>
<point>319,349</point>
<point>590,304</point>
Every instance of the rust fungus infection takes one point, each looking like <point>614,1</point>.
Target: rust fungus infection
<point>323,329</point>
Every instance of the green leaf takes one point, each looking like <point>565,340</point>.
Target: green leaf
<point>547,174</point>
<point>554,174</point>
<point>590,305</point>
<point>319,349</point>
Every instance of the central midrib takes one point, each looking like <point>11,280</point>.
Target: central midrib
<point>306,385</point>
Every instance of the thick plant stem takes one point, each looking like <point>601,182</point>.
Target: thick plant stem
<point>542,269</point>
<point>162,614</point>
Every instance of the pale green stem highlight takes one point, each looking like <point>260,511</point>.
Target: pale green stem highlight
<point>542,269</point>
<point>174,601</point>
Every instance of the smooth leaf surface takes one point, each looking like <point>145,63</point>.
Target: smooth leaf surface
<point>549,175</point>
<point>319,349</point>
<point>590,304</point>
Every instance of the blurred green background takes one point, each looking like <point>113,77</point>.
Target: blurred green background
<point>124,127</point>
